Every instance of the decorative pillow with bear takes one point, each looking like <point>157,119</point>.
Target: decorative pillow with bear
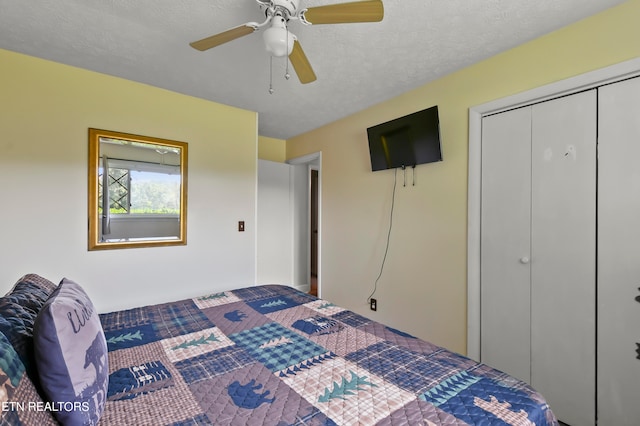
<point>71,355</point>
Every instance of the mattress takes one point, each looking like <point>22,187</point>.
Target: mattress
<point>271,355</point>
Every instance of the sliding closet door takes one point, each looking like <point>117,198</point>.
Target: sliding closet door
<point>563,238</point>
<point>619,254</point>
<point>505,242</point>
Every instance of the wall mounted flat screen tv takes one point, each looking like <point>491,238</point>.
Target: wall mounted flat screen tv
<point>406,141</point>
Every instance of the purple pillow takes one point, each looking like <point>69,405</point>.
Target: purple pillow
<point>71,355</point>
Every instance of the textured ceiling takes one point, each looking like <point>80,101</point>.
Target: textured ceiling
<point>358,65</point>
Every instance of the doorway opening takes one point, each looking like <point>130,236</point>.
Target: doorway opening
<point>311,243</point>
<point>313,231</point>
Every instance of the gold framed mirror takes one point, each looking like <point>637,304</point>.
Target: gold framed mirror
<point>146,191</point>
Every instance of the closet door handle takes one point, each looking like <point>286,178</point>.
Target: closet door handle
<point>524,260</point>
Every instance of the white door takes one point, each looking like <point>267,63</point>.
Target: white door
<point>563,252</point>
<point>505,242</point>
<point>619,254</point>
<point>275,224</point>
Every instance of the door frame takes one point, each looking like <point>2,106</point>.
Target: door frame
<point>313,162</point>
<point>589,80</point>
<point>311,168</point>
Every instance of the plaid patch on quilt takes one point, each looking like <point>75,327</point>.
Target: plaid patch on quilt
<point>271,355</point>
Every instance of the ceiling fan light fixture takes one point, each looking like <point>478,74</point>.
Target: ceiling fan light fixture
<point>277,39</point>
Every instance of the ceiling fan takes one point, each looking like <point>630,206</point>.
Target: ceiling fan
<point>279,41</point>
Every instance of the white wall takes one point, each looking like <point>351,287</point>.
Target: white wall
<point>45,112</point>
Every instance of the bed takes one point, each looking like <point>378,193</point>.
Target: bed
<point>264,355</point>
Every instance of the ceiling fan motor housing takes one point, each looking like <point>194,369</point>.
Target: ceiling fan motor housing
<point>289,5</point>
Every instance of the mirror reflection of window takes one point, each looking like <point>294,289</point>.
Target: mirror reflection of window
<point>146,190</point>
<point>139,192</point>
<point>155,193</point>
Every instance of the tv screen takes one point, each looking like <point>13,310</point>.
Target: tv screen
<point>406,141</point>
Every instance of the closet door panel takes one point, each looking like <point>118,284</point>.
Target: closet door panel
<point>563,229</point>
<point>505,223</point>
<point>619,254</point>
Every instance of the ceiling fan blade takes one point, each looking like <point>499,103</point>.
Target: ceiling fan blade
<point>223,37</point>
<point>344,13</point>
<point>301,64</point>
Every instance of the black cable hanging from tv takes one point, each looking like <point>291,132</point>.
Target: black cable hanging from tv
<point>386,250</point>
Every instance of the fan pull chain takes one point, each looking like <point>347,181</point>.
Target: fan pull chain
<point>271,75</point>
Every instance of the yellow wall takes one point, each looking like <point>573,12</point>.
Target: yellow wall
<point>272,149</point>
<point>45,111</point>
<point>423,287</point>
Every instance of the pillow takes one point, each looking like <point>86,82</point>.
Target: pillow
<point>71,355</point>
<point>16,323</point>
<point>31,291</point>
<point>18,312</point>
<point>35,282</point>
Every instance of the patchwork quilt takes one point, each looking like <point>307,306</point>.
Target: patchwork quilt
<point>271,355</point>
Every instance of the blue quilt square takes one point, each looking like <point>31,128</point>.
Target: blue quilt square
<point>277,347</point>
<point>131,382</point>
<point>272,304</point>
<point>176,319</point>
<point>130,337</point>
<point>317,325</point>
<point>408,370</point>
<point>129,318</point>
<point>213,364</point>
<point>199,420</point>
<point>351,318</point>
<point>255,293</point>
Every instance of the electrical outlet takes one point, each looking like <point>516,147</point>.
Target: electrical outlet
<point>373,304</point>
